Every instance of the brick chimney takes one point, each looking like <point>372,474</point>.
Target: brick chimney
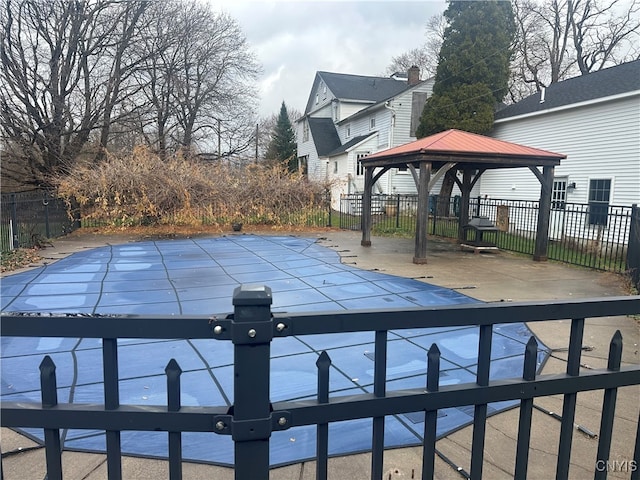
<point>413,75</point>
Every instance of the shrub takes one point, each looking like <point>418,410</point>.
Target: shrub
<point>141,188</point>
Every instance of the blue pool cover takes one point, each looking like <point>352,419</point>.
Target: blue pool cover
<point>198,276</point>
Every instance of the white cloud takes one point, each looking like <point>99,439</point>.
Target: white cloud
<point>267,84</point>
<point>294,39</point>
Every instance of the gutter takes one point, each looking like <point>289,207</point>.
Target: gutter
<point>570,106</point>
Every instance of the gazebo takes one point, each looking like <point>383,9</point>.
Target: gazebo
<point>431,157</point>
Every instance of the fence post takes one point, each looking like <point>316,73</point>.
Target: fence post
<point>173,372</point>
<point>322,433</point>
<point>431,416</point>
<point>15,227</point>
<point>608,408</point>
<point>433,200</point>
<point>365,219</point>
<point>53,446</point>
<point>252,332</point>
<point>47,227</point>
<point>633,246</point>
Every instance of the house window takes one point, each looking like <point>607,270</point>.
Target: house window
<point>317,99</point>
<point>303,164</point>
<point>335,167</point>
<point>559,193</point>
<point>359,167</point>
<point>599,193</point>
<point>372,123</point>
<point>348,130</point>
<point>404,169</point>
<point>305,131</point>
<point>335,112</point>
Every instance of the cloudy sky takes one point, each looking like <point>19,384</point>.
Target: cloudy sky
<point>294,39</point>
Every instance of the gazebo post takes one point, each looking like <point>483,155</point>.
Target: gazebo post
<point>464,204</point>
<point>544,214</point>
<point>366,207</point>
<point>422,220</point>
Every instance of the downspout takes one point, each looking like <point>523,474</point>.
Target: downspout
<point>392,126</point>
<point>393,122</point>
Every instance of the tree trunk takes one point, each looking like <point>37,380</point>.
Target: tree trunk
<point>444,198</point>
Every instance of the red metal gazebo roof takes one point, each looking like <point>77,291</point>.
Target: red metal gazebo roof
<point>454,143</point>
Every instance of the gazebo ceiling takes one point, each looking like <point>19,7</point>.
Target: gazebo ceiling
<point>466,148</point>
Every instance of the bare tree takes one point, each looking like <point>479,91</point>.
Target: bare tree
<point>604,34</point>
<point>563,38</point>
<point>61,66</point>
<point>542,54</point>
<point>75,72</point>
<point>198,79</point>
<point>125,60</point>
<point>426,56</point>
<point>416,56</point>
<point>218,69</point>
<point>161,62</point>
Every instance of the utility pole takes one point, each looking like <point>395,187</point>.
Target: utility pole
<point>219,140</point>
<point>256,143</point>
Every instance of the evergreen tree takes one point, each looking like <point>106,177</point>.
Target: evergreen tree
<point>473,67</point>
<point>282,146</point>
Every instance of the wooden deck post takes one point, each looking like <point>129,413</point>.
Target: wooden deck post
<point>463,219</point>
<point>366,207</point>
<point>544,214</point>
<point>422,220</point>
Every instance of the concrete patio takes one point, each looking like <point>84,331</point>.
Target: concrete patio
<point>490,277</point>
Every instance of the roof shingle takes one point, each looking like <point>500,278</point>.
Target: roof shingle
<point>603,83</point>
<point>363,88</point>
<point>354,141</point>
<point>324,135</point>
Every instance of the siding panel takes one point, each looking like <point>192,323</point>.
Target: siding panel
<point>600,141</point>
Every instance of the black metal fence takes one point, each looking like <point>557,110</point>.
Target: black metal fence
<point>29,218</point>
<point>633,248</point>
<point>252,418</point>
<point>312,212</point>
<point>603,240</point>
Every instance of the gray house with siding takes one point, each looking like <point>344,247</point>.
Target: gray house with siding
<point>348,117</point>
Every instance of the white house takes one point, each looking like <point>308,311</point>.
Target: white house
<point>594,119</point>
<point>348,117</point>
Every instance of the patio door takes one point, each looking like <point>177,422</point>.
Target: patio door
<point>558,208</point>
